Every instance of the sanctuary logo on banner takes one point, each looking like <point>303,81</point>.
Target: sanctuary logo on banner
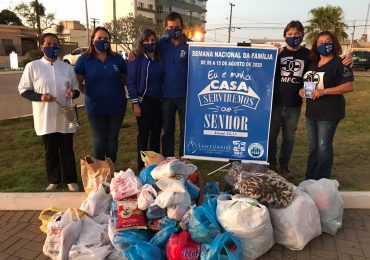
<point>229,102</point>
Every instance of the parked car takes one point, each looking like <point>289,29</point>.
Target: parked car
<point>72,57</point>
<point>361,59</point>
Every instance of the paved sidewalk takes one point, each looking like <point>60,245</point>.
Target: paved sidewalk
<point>21,238</point>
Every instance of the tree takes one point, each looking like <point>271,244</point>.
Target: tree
<point>34,15</point>
<point>10,18</point>
<point>328,18</point>
<point>129,28</point>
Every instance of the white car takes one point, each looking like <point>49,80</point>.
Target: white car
<point>72,57</point>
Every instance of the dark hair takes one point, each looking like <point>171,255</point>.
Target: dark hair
<point>91,50</point>
<point>42,38</point>
<point>294,24</point>
<point>174,16</point>
<point>139,49</point>
<point>337,48</point>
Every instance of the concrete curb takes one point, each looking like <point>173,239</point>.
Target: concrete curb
<point>42,200</point>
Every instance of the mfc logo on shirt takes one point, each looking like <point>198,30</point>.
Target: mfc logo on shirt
<point>183,54</point>
<point>316,77</point>
<point>291,67</point>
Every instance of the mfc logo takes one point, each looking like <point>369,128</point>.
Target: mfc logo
<point>291,67</point>
<point>239,148</point>
<point>316,77</point>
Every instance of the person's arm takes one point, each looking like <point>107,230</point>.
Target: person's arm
<point>347,60</point>
<point>132,85</point>
<point>338,90</point>
<point>81,85</point>
<point>80,72</point>
<point>74,85</point>
<point>31,95</point>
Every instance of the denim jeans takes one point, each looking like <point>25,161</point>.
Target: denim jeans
<point>169,108</point>
<point>286,118</point>
<point>320,135</point>
<point>105,129</point>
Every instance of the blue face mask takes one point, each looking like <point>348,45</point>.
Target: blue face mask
<point>174,33</point>
<point>325,49</point>
<point>51,52</point>
<point>150,47</point>
<point>101,45</point>
<point>293,41</point>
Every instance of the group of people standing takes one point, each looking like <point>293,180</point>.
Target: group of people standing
<point>331,76</point>
<point>156,81</point>
<point>156,77</point>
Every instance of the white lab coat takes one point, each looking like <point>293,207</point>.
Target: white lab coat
<point>42,76</point>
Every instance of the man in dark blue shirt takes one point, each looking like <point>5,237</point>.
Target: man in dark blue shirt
<point>174,49</point>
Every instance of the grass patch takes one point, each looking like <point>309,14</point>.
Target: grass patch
<point>22,167</point>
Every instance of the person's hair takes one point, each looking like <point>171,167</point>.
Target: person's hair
<point>296,25</point>
<point>139,49</point>
<point>337,48</point>
<point>42,38</point>
<point>174,16</point>
<point>91,50</point>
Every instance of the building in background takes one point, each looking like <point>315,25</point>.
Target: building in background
<point>69,32</point>
<point>192,11</point>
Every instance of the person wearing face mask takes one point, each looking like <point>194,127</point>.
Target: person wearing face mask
<point>174,50</point>
<point>45,82</point>
<point>144,83</point>
<point>101,74</point>
<point>326,105</point>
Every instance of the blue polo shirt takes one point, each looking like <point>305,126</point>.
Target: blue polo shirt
<point>175,60</point>
<point>104,91</point>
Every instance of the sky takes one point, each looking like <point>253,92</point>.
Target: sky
<point>271,15</point>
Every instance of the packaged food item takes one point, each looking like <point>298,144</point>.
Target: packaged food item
<point>129,215</point>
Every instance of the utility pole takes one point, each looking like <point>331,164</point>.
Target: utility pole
<point>231,14</point>
<point>87,24</point>
<point>115,23</point>
<point>94,21</point>
<point>353,35</point>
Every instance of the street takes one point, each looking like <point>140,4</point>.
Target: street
<point>11,103</point>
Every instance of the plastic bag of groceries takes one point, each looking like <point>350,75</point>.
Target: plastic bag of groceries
<point>150,157</point>
<point>171,167</point>
<point>177,212</point>
<point>146,176</point>
<point>161,238</point>
<point>212,187</point>
<point>82,252</point>
<point>146,197</point>
<point>192,189</point>
<point>173,184</point>
<point>124,239</point>
<point>92,233</point>
<point>142,251</point>
<point>164,199</point>
<point>124,184</point>
<point>249,221</point>
<point>97,201</point>
<point>62,231</point>
<point>297,224</point>
<point>182,247</point>
<point>155,212</point>
<point>129,215</point>
<point>328,201</point>
<point>225,247</point>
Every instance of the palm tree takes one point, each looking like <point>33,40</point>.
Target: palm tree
<point>39,10</point>
<point>328,18</point>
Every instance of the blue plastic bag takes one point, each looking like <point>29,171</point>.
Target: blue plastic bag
<point>225,247</point>
<point>212,188</point>
<point>131,237</point>
<point>167,222</point>
<point>161,238</point>
<point>155,212</point>
<point>142,251</point>
<point>210,203</point>
<point>192,189</point>
<point>203,225</point>
<point>204,249</point>
<point>145,176</point>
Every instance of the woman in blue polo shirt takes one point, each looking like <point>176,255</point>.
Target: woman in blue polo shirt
<point>101,74</point>
<point>144,83</point>
<point>328,79</point>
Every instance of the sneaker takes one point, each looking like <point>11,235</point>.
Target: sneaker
<point>51,187</point>
<point>284,172</point>
<point>73,187</point>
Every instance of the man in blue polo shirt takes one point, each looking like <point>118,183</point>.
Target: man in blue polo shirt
<point>174,50</point>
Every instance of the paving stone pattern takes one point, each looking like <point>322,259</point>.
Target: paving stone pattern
<point>21,238</point>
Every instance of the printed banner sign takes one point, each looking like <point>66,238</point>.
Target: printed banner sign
<point>229,102</point>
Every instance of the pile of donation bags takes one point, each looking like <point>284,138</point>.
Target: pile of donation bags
<point>162,214</point>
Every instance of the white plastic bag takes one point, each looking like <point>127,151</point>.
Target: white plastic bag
<point>97,201</point>
<point>81,252</point>
<point>124,184</point>
<point>91,232</point>
<point>176,212</point>
<point>181,198</point>
<point>174,184</point>
<point>249,221</point>
<point>297,224</point>
<point>171,167</point>
<point>146,197</point>
<point>164,199</point>
<point>328,201</point>
<point>62,231</point>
